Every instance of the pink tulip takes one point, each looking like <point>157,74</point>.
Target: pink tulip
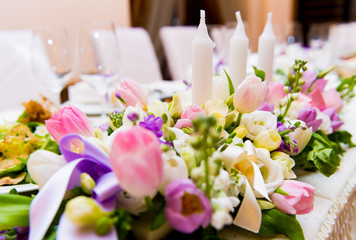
<point>69,119</point>
<point>275,93</point>
<point>190,113</point>
<point>136,159</point>
<point>132,93</point>
<point>332,99</point>
<point>299,201</point>
<point>250,94</point>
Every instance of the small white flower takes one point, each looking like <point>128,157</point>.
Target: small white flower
<point>326,123</point>
<point>222,181</point>
<point>41,130</point>
<point>258,121</point>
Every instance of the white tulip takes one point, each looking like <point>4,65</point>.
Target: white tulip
<point>258,121</point>
<point>174,168</point>
<point>231,155</point>
<point>42,164</point>
<point>221,87</point>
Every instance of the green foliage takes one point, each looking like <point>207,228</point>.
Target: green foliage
<point>276,222</point>
<point>231,85</point>
<point>259,73</point>
<point>322,153</point>
<point>14,211</point>
<point>346,87</point>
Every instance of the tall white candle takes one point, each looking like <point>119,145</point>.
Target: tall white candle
<point>238,53</point>
<point>266,43</point>
<point>202,65</point>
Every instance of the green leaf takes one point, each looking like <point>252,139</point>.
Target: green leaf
<point>259,73</point>
<point>320,154</point>
<point>325,72</point>
<point>50,145</point>
<point>159,219</point>
<point>16,168</point>
<point>280,191</point>
<point>231,85</point>
<point>276,222</point>
<point>14,211</point>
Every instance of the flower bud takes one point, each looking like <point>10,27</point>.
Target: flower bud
<point>286,89</point>
<point>175,108</point>
<point>284,102</point>
<point>103,226</point>
<point>87,183</point>
<point>295,96</point>
<point>240,131</point>
<point>83,211</point>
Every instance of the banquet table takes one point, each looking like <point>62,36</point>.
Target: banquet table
<point>334,214</point>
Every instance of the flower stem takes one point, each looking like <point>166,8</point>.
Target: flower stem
<point>237,123</point>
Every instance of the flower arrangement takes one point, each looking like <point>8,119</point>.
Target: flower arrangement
<point>178,166</point>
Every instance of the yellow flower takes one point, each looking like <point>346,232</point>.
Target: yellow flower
<point>240,131</point>
<point>268,139</point>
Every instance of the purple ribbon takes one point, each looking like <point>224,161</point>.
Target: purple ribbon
<point>106,189</point>
<point>93,161</point>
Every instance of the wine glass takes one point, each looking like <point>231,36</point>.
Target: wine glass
<point>98,57</point>
<point>51,57</point>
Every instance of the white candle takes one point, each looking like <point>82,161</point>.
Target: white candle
<point>266,43</point>
<point>238,53</point>
<point>202,64</point>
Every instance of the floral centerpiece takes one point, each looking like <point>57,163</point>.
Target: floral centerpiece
<point>178,168</point>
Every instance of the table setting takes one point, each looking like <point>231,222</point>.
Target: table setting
<point>252,150</point>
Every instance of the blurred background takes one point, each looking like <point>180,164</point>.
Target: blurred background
<point>298,25</point>
<point>310,19</point>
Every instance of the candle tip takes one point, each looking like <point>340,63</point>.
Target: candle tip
<point>269,16</point>
<point>238,17</point>
<point>202,14</point>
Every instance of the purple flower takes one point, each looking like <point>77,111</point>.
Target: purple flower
<point>153,124</point>
<point>266,107</point>
<point>281,127</point>
<point>334,118</point>
<point>187,206</point>
<point>133,117</point>
<point>104,127</point>
<point>308,115</point>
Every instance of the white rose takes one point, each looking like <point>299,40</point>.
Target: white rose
<point>174,168</point>
<point>258,121</point>
<point>42,164</point>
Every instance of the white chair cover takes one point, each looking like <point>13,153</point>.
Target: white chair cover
<point>139,61</point>
<point>17,82</point>
<point>177,45</point>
